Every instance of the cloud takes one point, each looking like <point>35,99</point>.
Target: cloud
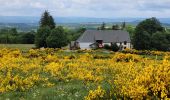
<point>87,8</point>
<point>38,5</point>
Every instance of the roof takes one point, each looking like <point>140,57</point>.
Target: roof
<point>105,35</point>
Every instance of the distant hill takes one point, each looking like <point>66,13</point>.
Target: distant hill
<point>29,19</point>
<point>27,23</point>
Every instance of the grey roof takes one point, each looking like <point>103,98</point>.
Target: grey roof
<point>105,35</point>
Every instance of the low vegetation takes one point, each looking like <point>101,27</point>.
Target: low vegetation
<point>58,74</point>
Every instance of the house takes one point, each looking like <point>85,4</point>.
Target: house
<point>98,38</point>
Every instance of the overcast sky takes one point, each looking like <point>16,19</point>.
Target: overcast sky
<point>87,8</point>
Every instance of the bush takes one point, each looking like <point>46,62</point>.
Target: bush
<point>106,46</point>
<point>115,47</point>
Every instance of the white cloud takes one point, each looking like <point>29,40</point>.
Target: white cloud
<point>37,5</point>
<point>87,8</point>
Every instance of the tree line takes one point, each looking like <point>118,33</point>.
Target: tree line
<point>47,35</point>
<point>151,35</point>
<point>12,36</point>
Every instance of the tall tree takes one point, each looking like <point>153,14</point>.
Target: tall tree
<point>47,20</point>
<point>103,26</point>
<point>28,38</point>
<point>143,33</point>
<point>160,41</point>
<point>51,22</point>
<point>41,35</point>
<point>123,25</point>
<point>57,38</point>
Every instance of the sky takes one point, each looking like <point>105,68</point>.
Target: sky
<point>87,8</point>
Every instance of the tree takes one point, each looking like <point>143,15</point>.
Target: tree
<point>130,29</point>
<point>143,33</point>
<point>115,27</point>
<point>142,41</point>
<point>57,38</point>
<point>47,20</point>
<point>51,22</point>
<point>28,38</point>
<point>123,25</point>
<point>160,41</point>
<point>13,31</point>
<point>103,26</point>
<point>41,35</point>
<point>115,47</point>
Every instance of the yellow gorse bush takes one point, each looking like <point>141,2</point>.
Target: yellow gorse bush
<point>96,94</point>
<point>130,76</point>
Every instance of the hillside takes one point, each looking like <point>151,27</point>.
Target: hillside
<point>31,23</point>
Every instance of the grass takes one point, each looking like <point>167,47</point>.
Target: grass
<point>22,47</point>
<point>74,90</point>
<point>153,57</point>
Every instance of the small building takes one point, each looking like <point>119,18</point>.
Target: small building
<point>91,39</point>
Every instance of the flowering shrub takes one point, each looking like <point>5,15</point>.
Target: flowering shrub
<point>145,52</point>
<point>129,75</point>
<point>120,57</point>
<point>96,94</point>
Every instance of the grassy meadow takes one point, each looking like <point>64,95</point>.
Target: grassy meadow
<point>23,47</point>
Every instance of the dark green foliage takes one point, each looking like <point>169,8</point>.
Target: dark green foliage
<point>130,29</point>
<point>13,31</point>
<point>143,33</point>
<point>73,35</point>
<point>57,38</point>
<point>78,33</point>
<point>107,47</point>
<point>46,25</point>
<point>123,25</point>
<point>160,41</point>
<point>103,26</point>
<point>47,20</point>
<point>115,27</point>
<point>51,22</point>
<point>28,38</point>
<point>115,47</point>
<point>142,41</point>
<point>40,37</point>
<point>11,36</point>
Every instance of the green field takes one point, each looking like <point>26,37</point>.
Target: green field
<point>23,47</point>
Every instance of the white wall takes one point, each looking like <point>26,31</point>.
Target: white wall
<point>85,45</point>
<point>128,45</point>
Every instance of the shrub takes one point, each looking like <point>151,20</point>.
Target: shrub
<point>107,47</point>
<point>115,47</point>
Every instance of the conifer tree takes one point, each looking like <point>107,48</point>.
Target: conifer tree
<point>103,26</point>
<point>123,25</point>
<point>47,20</point>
